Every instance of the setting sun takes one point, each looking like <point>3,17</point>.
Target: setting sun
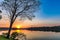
<point>18,26</point>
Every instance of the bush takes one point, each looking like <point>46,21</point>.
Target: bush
<point>4,34</point>
<point>14,34</point>
<point>18,36</point>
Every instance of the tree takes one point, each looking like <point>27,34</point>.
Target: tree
<point>0,11</point>
<point>19,8</point>
<point>0,15</point>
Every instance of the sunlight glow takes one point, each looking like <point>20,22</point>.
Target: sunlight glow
<point>19,31</point>
<point>18,26</point>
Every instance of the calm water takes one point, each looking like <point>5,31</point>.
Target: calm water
<point>38,35</point>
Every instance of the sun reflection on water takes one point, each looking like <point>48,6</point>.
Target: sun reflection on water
<point>19,31</point>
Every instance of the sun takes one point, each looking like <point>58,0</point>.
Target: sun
<point>18,26</point>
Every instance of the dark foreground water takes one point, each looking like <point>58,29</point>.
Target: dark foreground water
<point>37,35</point>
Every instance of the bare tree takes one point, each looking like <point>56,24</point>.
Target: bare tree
<point>0,15</point>
<point>19,8</point>
<point>0,11</point>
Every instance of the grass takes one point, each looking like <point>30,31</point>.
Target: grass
<point>4,38</point>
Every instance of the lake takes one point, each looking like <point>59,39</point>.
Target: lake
<point>37,35</point>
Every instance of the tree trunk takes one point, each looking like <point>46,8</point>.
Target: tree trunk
<point>9,29</point>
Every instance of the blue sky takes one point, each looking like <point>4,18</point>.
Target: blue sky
<point>50,9</point>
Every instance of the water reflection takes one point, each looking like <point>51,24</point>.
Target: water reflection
<point>18,31</point>
<point>38,34</point>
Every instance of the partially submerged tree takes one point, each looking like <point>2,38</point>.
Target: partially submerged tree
<point>19,8</point>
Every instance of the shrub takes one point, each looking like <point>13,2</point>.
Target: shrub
<point>18,36</point>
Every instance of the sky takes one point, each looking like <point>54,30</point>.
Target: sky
<point>49,11</point>
<point>47,15</point>
<point>50,8</point>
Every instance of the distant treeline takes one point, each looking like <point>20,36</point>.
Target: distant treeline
<point>3,29</point>
<point>53,29</point>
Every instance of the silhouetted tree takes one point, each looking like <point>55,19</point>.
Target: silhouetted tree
<point>0,15</point>
<point>0,11</point>
<point>19,8</point>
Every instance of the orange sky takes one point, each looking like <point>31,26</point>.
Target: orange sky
<point>27,23</point>
<point>4,22</point>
